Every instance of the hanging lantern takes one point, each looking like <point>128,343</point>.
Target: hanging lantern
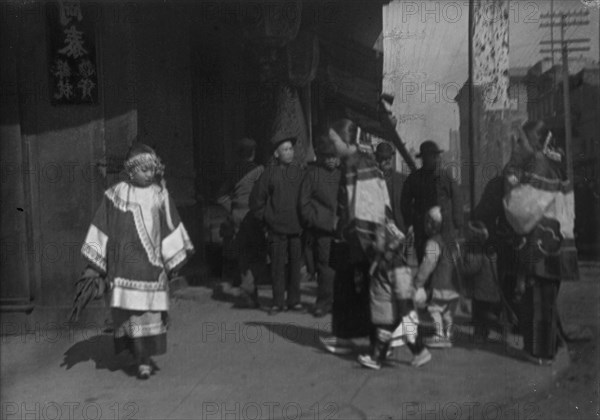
<point>268,27</point>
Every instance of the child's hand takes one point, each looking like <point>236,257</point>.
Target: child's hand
<point>420,297</point>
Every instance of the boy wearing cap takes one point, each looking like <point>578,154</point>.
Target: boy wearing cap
<point>318,206</point>
<point>274,200</point>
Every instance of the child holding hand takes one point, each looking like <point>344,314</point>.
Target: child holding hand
<point>436,273</point>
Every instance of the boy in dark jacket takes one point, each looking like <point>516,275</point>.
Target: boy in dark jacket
<point>274,201</point>
<point>318,206</point>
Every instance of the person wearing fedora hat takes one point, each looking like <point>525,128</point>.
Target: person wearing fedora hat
<point>429,148</point>
<point>427,187</point>
<point>318,206</point>
<point>274,201</point>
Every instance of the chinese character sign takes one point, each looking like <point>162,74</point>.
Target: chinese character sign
<point>72,50</point>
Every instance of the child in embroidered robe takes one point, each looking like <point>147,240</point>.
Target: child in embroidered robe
<point>137,242</point>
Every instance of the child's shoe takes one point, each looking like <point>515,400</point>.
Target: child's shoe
<point>437,342</point>
<point>367,361</point>
<point>421,358</point>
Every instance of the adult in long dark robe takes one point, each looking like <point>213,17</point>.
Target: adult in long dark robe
<point>350,315</point>
<point>492,259</point>
<point>539,206</point>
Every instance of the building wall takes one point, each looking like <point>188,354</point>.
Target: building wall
<point>163,91</point>
<point>424,64</point>
<point>143,60</point>
<point>15,222</point>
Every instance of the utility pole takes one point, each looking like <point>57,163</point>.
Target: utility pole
<point>471,128</point>
<point>566,19</point>
<point>552,106</point>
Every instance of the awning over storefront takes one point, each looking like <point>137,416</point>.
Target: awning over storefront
<point>353,74</point>
<point>353,79</point>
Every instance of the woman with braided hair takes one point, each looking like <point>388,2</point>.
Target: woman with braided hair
<point>136,242</point>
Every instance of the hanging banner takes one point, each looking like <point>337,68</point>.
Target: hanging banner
<point>72,55</point>
<point>490,52</point>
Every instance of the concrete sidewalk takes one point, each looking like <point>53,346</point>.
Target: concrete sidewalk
<point>225,363</point>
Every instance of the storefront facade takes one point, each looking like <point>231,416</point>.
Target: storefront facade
<point>189,79</point>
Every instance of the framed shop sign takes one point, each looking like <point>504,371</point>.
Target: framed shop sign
<point>72,54</point>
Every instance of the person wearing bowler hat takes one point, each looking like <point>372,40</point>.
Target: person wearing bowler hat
<point>274,201</point>
<point>318,206</point>
<point>427,187</point>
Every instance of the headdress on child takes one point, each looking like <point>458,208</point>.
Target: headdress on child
<point>141,155</point>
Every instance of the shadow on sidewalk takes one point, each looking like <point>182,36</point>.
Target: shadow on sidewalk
<point>499,340</point>
<point>99,349</point>
<point>477,336</point>
<point>301,335</point>
<point>297,334</point>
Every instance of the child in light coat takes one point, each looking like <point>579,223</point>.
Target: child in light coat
<point>436,273</point>
<point>391,301</point>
